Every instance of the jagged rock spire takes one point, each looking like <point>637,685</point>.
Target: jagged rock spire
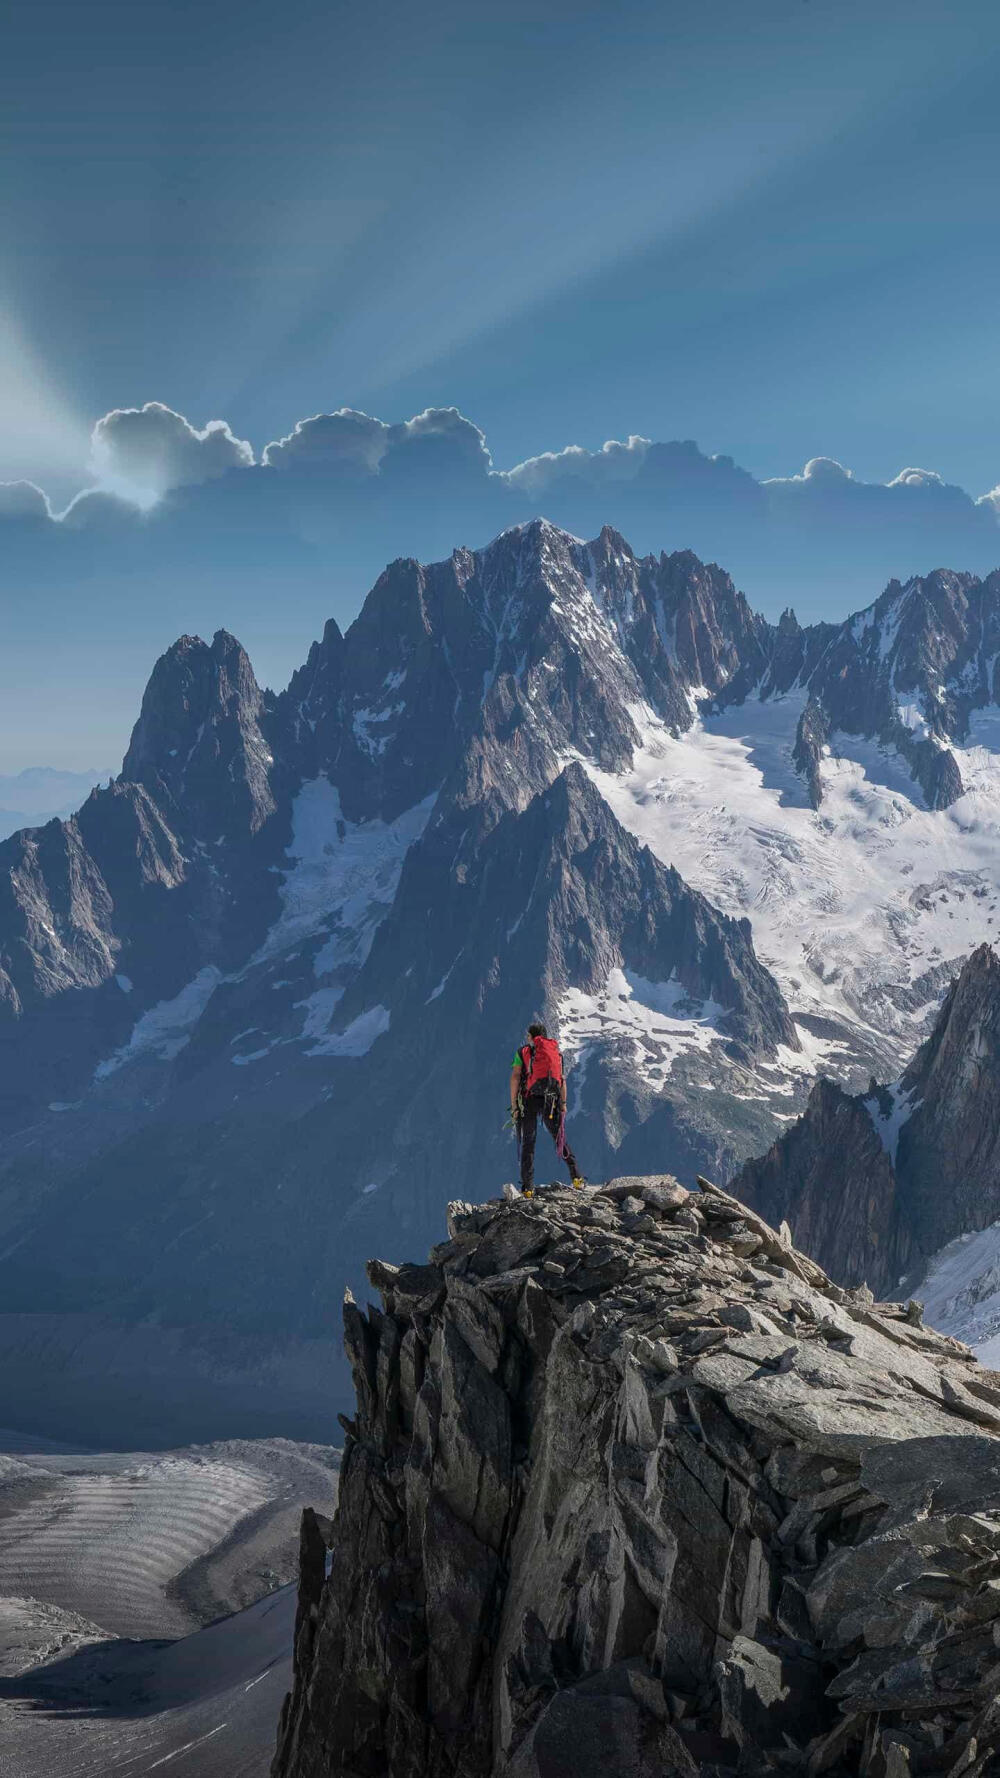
<point>199,742</point>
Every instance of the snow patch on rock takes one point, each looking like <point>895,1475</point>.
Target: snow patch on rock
<point>163,1031</point>
<point>659,1019</point>
<point>357,1037</point>
<point>888,1123</point>
<point>342,873</point>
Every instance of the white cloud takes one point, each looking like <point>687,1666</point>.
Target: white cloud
<point>917,478</point>
<point>22,500</point>
<point>141,453</point>
<point>825,471</point>
<point>616,461</point>
<point>98,509</point>
<point>914,494</point>
<point>427,479</point>
<point>345,439</point>
<point>444,425</point>
<point>354,443</point>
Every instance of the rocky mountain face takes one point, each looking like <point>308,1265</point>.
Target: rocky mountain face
<point>910,671</point>
<point>631,1486</point>
<point>161,874</point>
<point>200,746</point>
<point>875,1184</point>
<point>257,981</point>
<point>832,1179</point>
<point>948,1150</point>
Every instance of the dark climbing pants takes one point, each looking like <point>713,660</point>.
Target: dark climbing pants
<point>551,1116</point>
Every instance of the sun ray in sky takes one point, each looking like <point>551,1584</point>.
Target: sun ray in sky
<point>42,437</point>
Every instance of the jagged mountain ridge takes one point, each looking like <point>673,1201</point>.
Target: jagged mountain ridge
<point>294,902</point>
<point>630,1486</point>
<point>875,1184</point>
<point>220,760</point>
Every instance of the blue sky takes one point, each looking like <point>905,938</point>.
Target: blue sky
<point>771,228</point>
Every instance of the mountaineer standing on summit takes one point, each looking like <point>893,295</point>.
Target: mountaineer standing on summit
<point>538,1085</point>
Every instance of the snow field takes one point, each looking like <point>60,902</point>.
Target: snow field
<point>852,905</point>
<point>961,1292</point>
<point>657,1018</point>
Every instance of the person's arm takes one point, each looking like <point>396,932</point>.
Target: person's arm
<point>515,1088</point>
<point>562,1091</point>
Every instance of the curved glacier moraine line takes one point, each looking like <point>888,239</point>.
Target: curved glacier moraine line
<point>109,1545</point>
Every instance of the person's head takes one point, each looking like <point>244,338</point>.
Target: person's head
<point>536,1029</point>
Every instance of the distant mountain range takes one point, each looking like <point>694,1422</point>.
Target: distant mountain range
<point>31,797</point>
<point>258,997</point>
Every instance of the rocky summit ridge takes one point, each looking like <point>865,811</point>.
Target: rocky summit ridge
<point>633,1488</point>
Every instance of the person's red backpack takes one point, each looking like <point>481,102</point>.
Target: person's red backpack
<point>543,1069</point>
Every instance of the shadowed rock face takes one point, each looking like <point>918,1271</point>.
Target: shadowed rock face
<point>633,1488</point>
<point>949,1146</point>
<point>199,745</point>
<point>557,894</point>
<point>812,735</point>
<point>831,1178</point>
<point>874,1184</point>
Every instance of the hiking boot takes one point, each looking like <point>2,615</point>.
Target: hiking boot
<point>578,1184</point>
<point>528,1191</point>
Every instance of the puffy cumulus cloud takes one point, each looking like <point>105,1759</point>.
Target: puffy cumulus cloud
<point>346,440</point>
<point>640,479</point>
<point>141,453</point>
<point>823,472</point>
<point>345,491</point>
<point>438,442</point>
<point>348,443</point>
<point>914,495</point>
<point>917,478</point>
<point>98,509</point>
<point>22,500</point>
<point>617,461</point>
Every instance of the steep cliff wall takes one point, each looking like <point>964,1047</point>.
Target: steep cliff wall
<point>875,1184</point>
<point>633,1489</point>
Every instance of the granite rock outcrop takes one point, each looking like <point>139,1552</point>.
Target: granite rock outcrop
<point>632,1487</point>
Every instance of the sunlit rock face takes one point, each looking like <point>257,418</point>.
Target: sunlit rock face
<point>631,1486</point>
